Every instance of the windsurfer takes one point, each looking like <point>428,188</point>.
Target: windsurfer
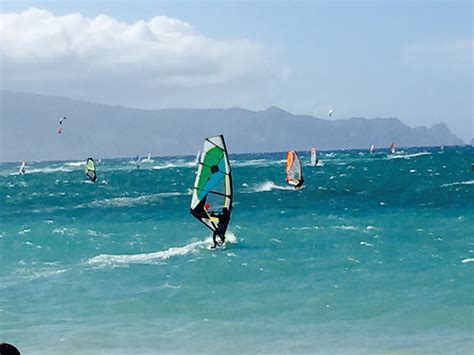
<point>300,183</point>
<point>21,171</point>
<point>224,219</point>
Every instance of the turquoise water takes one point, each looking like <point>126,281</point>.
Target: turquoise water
<point>375,255</point>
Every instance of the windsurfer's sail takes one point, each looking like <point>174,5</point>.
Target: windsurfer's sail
<point>148,159</point>
<point>89,169</point>
<point>294,174</point>
<point>392,149</point>
<point>212,190</point>
<point>314,158</point>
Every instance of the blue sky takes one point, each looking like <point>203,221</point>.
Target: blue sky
<point>405,59</point>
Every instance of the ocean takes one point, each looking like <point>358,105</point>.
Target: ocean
<point>374,256</point>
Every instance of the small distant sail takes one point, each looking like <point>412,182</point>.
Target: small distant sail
<point>212,190</point>
<point>294,174</point>
<point>392,149</point>
<point>148,159</point>
<point>89,169</point>
<point>22,168</point>
<point>372,148</point>
<point>314,157</point>
<point>330,112</point>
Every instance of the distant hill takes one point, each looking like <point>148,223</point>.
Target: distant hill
<point>29,122</point>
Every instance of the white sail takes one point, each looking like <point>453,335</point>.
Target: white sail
<point>314,159</point>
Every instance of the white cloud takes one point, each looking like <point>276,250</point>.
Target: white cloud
<point>163,62</point>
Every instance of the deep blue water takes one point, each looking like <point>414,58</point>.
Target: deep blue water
<point>375,255</point>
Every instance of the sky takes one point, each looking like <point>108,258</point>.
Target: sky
<point>407,59</point>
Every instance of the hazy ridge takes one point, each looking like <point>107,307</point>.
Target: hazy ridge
<point>29,123</point>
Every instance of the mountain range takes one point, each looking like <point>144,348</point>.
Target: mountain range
<point>29,130</point>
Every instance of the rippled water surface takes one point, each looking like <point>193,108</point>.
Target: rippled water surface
<point>374,255</point>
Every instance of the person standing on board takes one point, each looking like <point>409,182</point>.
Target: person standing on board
<point>21,171</point>
<point>223,221</point>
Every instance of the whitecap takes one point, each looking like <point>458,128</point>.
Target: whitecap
<point>251,162</point>
<point>144,258</point>
<point>75,163</point>
<point>269,186</point>
<point>48,170</point>
<point>155,257</point>
<point>346,228</point>
<point>66,231</point>
<point>169,166</point>
<point>130,201</point>
<point>469,182</point>
<point>354,260</point>
<point>41,273</point>
<point>401,155</point>
<point>468,260</point>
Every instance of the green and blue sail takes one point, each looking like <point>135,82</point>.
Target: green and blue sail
<point>212,190</point>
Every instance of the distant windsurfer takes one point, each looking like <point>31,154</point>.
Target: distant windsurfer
<point>314,156</point>
<point>22,170</point>
<point>89,170</point>
<point>392,149</point>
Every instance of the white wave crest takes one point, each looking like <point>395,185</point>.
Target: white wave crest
<point>468,260</point>
<point>75,163</point>
<point>256,162</point>
<point>269,186</point>
<point>48,170</point>
<point>345,228</point>
<point>169,165</point>
<point>130,201</point>
<point>407,156</point>
<point>469,182</point>
<point>38,272</point>
<point>103,260</point>
<point>145,258</point>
